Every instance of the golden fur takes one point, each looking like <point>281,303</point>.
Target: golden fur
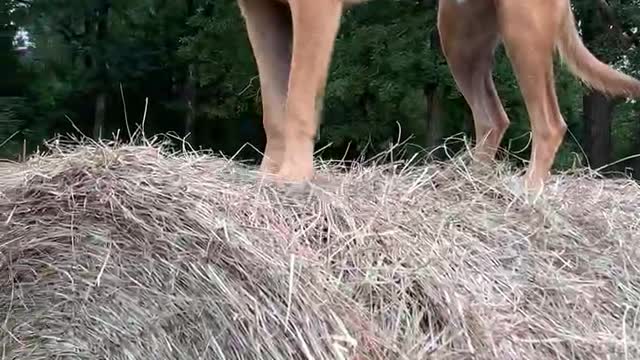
<point>293,40</point>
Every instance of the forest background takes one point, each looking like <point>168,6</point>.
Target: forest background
<point>186,67</point>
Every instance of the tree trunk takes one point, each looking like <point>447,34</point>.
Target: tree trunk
<point>635,164</point>
<point>597,109</point>
<point>101,68</point>
<point>189,96</point>
<point>597,117</point>
<point>101,106</point>
<point>434,94</point>
<point>189,91</point>
<point>435,117</point>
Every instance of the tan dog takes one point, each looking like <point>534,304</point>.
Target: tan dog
<point>293,40</point>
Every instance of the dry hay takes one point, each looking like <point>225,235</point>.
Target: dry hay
<point>133,252</point>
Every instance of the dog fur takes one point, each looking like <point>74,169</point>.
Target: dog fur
<point>292,42</point>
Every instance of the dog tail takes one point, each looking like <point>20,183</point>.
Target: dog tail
<point>593,72</point>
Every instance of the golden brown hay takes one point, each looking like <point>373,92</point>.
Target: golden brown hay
<point>133,252</point>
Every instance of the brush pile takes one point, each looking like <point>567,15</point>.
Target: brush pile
<point>112,251</point>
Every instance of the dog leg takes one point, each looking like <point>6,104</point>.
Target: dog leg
<point>270,34</point>
<point>315,26</point>
<point>529,30</point>
<point>469,36</point>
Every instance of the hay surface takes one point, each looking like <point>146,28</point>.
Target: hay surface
<point>130,252</point>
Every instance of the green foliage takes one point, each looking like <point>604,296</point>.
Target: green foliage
<point>378,74</point>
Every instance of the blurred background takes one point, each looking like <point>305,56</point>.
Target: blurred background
<point>67,66</point>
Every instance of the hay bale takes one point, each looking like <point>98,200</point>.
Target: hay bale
<point>132,252</point>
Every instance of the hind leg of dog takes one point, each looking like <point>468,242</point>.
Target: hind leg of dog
<point>315,26</point>
<point>529,34</point>
<point>469,36</point>
<point>270,34</point>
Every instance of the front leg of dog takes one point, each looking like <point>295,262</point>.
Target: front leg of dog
<point>270,33</point>
<point>315,26</point>
<point>297,165</point>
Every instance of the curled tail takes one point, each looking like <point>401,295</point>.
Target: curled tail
<point>593,72</point>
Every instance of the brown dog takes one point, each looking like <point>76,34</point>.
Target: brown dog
<point>292,41</point>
